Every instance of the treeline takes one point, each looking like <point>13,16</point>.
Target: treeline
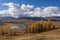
<point>40,26</point>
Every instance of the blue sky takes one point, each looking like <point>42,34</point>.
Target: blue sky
<point>29,8</point>
<point>36,3</point>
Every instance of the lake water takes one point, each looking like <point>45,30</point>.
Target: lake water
<point>19,26</point>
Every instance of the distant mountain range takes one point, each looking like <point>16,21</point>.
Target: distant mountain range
<point>54,18</point>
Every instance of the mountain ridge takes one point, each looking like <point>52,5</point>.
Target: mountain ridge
<point>32,18</point>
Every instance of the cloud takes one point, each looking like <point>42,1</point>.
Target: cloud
<point>51,11</point>
<point>16,10</point>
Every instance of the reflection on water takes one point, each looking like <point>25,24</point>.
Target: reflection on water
<point>19,26</point>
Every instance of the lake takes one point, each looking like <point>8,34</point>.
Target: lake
<point>19,26</point>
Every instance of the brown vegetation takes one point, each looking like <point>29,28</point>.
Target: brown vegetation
<point>34,27</point>
<point>40,26</point>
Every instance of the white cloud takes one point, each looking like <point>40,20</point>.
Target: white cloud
<point>27,7</point>
<point>16,10</point>
<point>50,11</point>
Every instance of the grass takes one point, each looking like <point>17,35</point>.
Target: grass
<point>36,36</point>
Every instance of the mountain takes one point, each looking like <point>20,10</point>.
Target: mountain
<point>54,18</point>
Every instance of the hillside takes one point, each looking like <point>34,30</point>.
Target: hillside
<point>48,35</point>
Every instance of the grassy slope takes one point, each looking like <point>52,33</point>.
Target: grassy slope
<point>48,35</point>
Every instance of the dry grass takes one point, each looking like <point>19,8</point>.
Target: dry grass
<point>6,33</point>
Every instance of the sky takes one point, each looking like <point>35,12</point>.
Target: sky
<point>29,8</point>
